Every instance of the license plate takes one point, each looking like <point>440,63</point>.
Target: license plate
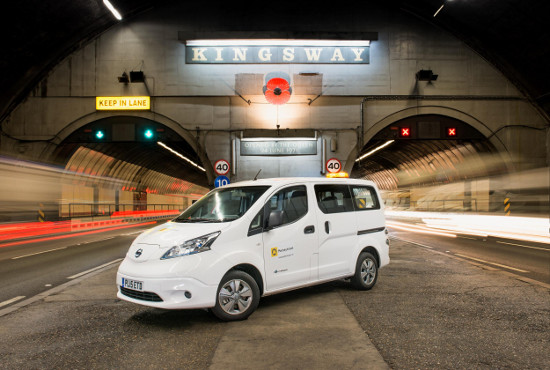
<point>132,284</point>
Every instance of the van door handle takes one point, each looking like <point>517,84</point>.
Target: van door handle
<point>309,229</point>
<point>327,227</point>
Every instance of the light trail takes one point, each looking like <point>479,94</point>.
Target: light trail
<point>530,229</point>
<point>420,230</point>
<point>94,269</point>
<point>73,235</point>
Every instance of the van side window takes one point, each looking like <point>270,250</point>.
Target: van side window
<point>333,198</point>
<point>256,226</point>
<point>292,201</point>
<point>364,198</point>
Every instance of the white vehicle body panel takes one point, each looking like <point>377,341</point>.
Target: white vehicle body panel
<point>313,248</point>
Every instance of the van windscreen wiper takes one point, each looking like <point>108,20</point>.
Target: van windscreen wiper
<point>203,220</point>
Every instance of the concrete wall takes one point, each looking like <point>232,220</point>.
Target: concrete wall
<point>202,97</point>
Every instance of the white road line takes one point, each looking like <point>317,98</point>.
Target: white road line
<point>57,249</point>
<point>408,241</point>
<point>57,289</point>
<point>10,301</point>
<point>465,237</point>
<point>484,266</point>
<point>34,254</point>
<point>99,240</point>
<point>491,263</point>
<point>94,269</point>
<point>135,232</point>
<point>526,246</point>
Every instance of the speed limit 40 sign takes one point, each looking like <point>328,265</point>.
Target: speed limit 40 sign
<point>221,167</point>
<point>333,165</point>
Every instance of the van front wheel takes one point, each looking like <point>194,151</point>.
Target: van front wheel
<point>366,272</point>
<point>238,296</point>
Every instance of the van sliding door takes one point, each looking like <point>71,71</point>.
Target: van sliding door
<point>337,225</point>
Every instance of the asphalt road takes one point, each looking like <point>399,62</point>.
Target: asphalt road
<point>29,269</point>
<point>433,310</point>
<point>527,259</point>
<point>434,306</point>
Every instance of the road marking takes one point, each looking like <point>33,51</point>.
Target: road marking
<point>10,301</point>
<point>135,232</point>
<point>483,266</point>
<point>465,237</point>
<point>57,249</point>
<point>491,263</point>
<point>526,246</point>
<point>34,254</point>
<point>408,241</point>
<point>54,290</point>
<point>94,269</point>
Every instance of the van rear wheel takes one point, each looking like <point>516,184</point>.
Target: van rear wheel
<point>238,296</point>
<point>366,272</point>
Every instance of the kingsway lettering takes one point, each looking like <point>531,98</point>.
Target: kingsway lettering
<point>277,55</point>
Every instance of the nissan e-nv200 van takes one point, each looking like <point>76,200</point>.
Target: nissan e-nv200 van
<point>256,238</point>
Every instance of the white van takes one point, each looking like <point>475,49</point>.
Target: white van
<point>257,238</point>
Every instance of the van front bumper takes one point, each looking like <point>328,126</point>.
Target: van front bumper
<point>167,293</point>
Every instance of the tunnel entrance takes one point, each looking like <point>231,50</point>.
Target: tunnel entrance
<point>432,162</point>
<point>126,163</point>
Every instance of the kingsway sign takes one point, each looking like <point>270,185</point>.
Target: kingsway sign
<point>198,54</point>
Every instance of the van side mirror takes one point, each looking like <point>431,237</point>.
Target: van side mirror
<point>275,219</point>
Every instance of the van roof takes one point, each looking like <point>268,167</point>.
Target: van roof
<point>292,180</point>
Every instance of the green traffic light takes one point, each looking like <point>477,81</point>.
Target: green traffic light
<point>148,134</point>
<point>99,134</point>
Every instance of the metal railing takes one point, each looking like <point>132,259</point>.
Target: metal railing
<point>108,210</point>
<point>445,205</point>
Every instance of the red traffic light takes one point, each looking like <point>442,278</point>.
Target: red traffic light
<point>405,131</point>
<point>451,131</point>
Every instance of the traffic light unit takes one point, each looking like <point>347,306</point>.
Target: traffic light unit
<point>122,133</point>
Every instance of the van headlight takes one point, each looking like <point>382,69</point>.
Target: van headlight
<point>193,246</point>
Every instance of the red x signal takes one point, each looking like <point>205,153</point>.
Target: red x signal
<point>451,131</point>
<point>405,132</point>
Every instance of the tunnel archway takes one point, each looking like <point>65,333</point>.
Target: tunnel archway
<point>128,160</point>
<point>427,149</point>
<point>430,151</point>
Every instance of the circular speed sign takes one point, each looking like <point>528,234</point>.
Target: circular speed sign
<point>333,165</point>
<point>221,167</point>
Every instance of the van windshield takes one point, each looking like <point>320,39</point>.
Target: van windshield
<point>222,205</point>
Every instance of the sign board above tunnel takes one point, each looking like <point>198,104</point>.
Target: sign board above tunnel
<point>123,103</point>
<point>277,52</point>
<point>278,147</point>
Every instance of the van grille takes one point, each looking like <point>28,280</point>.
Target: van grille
<point>143,296</point>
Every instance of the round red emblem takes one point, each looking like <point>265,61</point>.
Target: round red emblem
<point>277,91</point>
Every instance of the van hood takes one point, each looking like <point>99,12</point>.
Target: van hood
<point>173,233</point>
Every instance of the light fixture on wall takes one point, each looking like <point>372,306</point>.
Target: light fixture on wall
<point>137,76</point>
<point>441,7</point>
<point>115,12</point>
<point>124,79</point>
<point>181,156</point>
<point>426,75</point>
<point>374,150</point>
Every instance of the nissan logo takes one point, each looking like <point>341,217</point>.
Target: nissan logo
<point>139,252</point>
